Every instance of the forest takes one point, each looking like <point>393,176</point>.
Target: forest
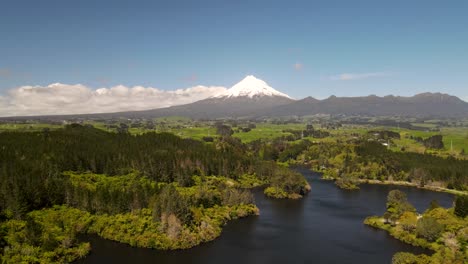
<point>151,190</point>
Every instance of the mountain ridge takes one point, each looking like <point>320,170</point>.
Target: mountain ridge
<point>252,97</point>
<point>419,105</point>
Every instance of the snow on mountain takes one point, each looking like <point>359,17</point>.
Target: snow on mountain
<point>251,87</point>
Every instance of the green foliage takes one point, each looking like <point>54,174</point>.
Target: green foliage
<point>275,192</point>
<point>130,185</point>
<point>292,151</point>
<point>446,218</point>
<point>408,258</point>
<point>450,170</point>
<point>109,194</point>
<point>250,181</point>
<point>434,142</point>
<point>428,228</point>
<point>461,206</point>
<point>438,229</point>
<point>137,189</point>
<point>418,175</point>
<point>285,183</point>
<point>234,196</point>
<point>139,229</point>
<point>397,204</point>
<point>433,205</point>
<point>170,202</point>
<point>347,183</point>
<point>179,220</point>
<point>376,221</point>
<point>224,130</point>
<point>370,160</point>
<point>31,164</point>
<point>46,236</point>
<point>408,221</point>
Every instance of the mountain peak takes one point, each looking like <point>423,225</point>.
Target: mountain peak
<point>251,87</point>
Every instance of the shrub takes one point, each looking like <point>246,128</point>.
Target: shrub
<point>428,228</point>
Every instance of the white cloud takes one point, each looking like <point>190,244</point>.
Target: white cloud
<point>60,98</point>
<point>357,76</point>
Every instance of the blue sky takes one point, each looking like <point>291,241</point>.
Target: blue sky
<point>302,48</point>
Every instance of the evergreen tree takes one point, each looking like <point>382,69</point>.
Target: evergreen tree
<point>397,204</point>
<point>461,206</point>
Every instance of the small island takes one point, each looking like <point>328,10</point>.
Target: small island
<point>287,184</point>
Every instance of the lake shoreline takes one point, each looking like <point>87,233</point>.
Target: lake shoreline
<point>409,184</point>
<point>403,183</point>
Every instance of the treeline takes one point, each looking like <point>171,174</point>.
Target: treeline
<point>372,160</point>
<point>419,167</point>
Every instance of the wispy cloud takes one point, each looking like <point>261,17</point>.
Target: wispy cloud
<point>61,98</point>
<point>298,66</point>
<point>357,76</point>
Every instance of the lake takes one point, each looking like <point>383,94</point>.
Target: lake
<point>324,227</point>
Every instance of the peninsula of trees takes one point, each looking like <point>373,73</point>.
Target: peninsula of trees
<point>445,231</point>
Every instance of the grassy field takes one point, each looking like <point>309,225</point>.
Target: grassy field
<point>426,125</point>
<point>456,136</point>
<point>455,139</point>
<point>193,132</point>
<point>267,131</point>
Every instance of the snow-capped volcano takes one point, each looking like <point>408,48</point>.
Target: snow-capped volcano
<point>251,87</point>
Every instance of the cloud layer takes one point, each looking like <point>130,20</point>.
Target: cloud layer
<point>60,98</point>
<point>357,76</point>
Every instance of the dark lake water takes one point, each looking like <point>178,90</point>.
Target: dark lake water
<point>324,227</point>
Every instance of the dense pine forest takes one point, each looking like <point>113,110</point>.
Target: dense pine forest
<point>151,190</point>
